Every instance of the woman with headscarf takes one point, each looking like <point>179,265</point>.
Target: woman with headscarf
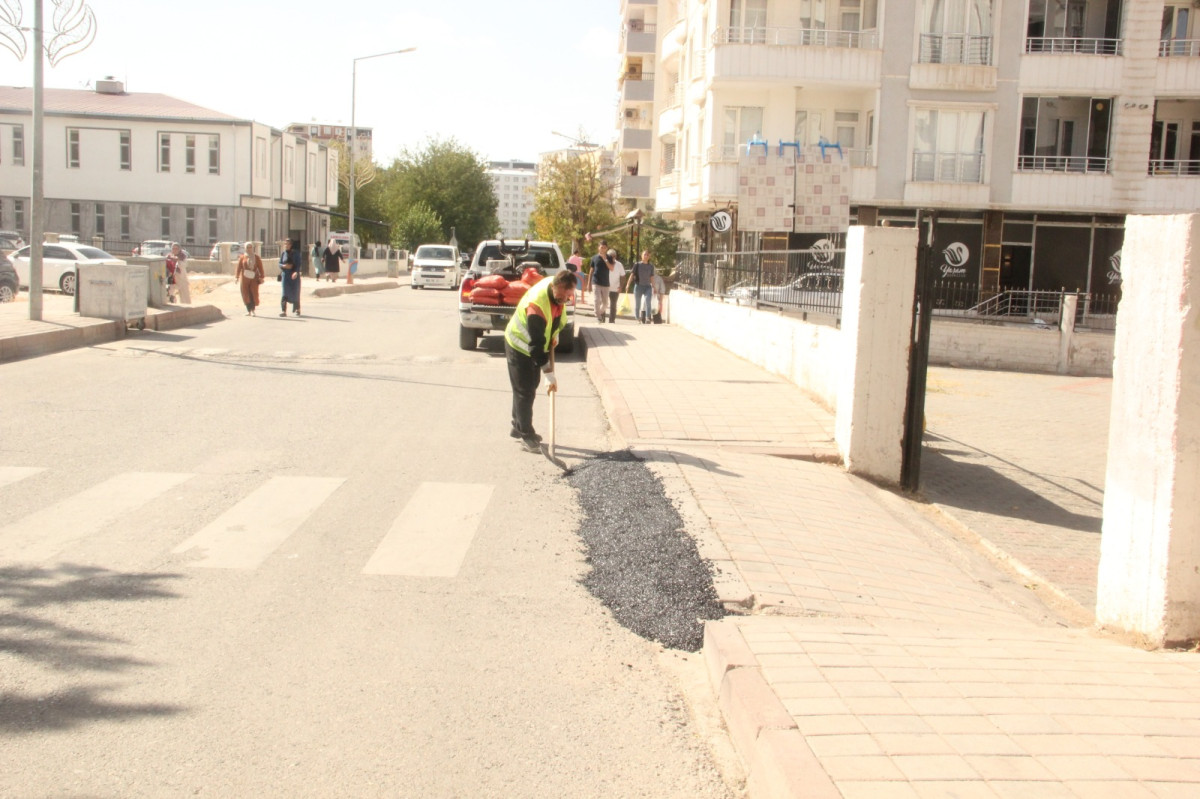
<point>249,276</point>
<point>333,260</point>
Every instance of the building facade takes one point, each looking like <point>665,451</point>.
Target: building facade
<point>514,183</point>
<point>127,167</point>
<point>325,133</point>
<point>637,149</point>
<point>1032,128</point>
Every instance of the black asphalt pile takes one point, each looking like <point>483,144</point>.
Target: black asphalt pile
<point>645,567</point>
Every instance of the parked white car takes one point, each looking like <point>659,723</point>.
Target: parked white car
<point>436,265</point>
<point>235,250</point>
<point>153,248</point>
<point>59,262</point>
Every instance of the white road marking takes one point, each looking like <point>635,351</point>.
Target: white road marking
<point>13,474</point>
<point>431,536</point>
<point>243,536</point>
<point>46,533</point>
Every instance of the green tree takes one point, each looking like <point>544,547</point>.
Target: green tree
<point>419,224</point>
<point>452,182</point>
<point>661,237</point>
<point>573,197</point>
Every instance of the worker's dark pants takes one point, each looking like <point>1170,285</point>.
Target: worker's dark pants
<point>525,376</point>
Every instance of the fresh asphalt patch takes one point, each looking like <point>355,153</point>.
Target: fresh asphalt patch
<point>645,567</point>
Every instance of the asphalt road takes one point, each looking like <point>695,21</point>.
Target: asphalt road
<point>302,557</point>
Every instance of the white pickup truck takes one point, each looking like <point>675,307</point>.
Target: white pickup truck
<point>508,258</point>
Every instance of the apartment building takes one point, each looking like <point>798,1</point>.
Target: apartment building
<point>637,148</point>
<point>1032,127</point>
<point>127,167</point>
<point>514,183</point>
<point>325,132</point>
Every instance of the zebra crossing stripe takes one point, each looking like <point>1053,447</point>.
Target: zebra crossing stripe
<point>13,474</point>
<point>46,533</point>
<point>243,536</point>
<point>431,536</point>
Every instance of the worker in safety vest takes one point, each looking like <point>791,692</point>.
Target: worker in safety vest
<point>529,342</point>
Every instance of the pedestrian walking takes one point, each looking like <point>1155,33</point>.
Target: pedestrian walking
<point>289,276</point>
<point>315,258</point>
<point>178,288</point>
<point>249,276</point>
<point>616,271</point>
<point>333,258</point>
<point>660,291</point>
<point>575,264</point>
<point>641,280</point>
<point>529,342</point>
<point>598,280</point>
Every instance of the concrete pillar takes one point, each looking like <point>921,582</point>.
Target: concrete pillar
<point>1066,332</point>
<point>877,302</point>
<point>1149,576</point>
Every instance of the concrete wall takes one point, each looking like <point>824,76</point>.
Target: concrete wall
<point>1149,581</point>
<point>1020,348</point>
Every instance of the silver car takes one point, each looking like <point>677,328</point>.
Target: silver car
<point>59,264</point>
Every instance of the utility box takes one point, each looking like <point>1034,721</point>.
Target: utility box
<point>156,278</point>
<point>113,291</point>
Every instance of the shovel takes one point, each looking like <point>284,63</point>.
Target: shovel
<point>550,449</point>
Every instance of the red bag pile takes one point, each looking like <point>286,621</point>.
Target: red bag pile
<point>513,293</point>
<point>496,282</point>
<point>485,295</point>
<point>530,276</point>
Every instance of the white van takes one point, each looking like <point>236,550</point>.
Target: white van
<point>436,265</point>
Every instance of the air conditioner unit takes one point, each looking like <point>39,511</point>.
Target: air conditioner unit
<point>630,113</point>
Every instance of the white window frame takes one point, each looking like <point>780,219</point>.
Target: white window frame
<point>214,154</point>
<point>948,162</point>
<point>125,150</point>
<point>73,147</point>
<point>189,153</point>
<point>164,151</point>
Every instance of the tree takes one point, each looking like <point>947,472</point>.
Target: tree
<point>418,225</point>
<point>572,198</point>
<point>661,237</point>
<point>452,182</point>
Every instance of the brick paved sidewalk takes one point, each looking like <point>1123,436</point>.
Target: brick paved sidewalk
<point>884,657</point>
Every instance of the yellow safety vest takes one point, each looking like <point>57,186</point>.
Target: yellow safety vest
<point>517,331</point>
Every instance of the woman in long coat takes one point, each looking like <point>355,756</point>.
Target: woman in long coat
<point>289,276</point>
<point>249,276</point>
<point>333,260</point>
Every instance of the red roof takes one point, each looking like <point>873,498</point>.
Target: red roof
<point>85,102</point>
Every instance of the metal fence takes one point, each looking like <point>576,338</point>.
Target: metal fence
<point>970,302</point>
<point>792,281</point>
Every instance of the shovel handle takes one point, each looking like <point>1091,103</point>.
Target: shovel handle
<point>553,395</point>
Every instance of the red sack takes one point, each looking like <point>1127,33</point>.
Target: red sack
<point>530,276</point>
<point>513,294</point>
<point>493,282</point>
<point>486,301</point>
<point>485,296</point>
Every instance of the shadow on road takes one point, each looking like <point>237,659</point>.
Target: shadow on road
<point>29,597</point>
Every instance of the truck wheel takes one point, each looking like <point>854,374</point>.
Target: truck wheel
<point>566,341</point>
<point>468,338</point>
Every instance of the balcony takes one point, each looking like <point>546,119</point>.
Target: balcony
<point>1168,167</point>
<point>1063,163</point>
<point>942,167</point>
<point>802,37</point>
<point>638,37</point>
<point>1073,45</point>
<point>636,138</point>
<point>1170,48</point>
<point>780,54</point>
<point>639,90</point>
<point>955,48</point>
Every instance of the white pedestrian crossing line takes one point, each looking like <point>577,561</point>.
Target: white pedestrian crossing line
<point>13,474</point>
<point>243,536</point>
<point>46,533</point>
<point>431,536</point>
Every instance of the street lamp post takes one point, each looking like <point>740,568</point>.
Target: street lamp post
<point>354,146</point>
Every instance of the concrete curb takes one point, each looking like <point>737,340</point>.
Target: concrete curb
<point>778,761</point>
<point>357,288</point>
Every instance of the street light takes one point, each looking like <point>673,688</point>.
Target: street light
<point>354,144</point>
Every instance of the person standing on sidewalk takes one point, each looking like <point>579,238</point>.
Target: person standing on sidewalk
<point>177,276</point>
<point>575,264</point>
<point>641,279</point>
<point>289,276</point>
<point>249,275</point>
<point>315,258</point>
<point>333,260</point>
<point>616,271</point>
<point>598,280</point>
<point>529,341</point>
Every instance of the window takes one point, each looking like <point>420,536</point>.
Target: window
<point>260,156</point>
<point>19,214</point>
<point>18,145</point>
<point>956,32</point>
<point>289,162</point>
<point>164,228</point>
<point>748,21</point>
<point>164,152</point>
<point>126,151</point>
<point>76,211</point>
<point>1174,39</point>
<point>125,222</point>
<point>72,148</point>
<point>668,157</point>
<point>189,225</point>
<point>845,128</point>
<point>1064,134</point>
<point>948,146</point>
<point>212,224</point>
<point>808,127</point>
<point>100,219</point>
<point>189,154</point>
<point>741,125</point>
<point>214,155</point>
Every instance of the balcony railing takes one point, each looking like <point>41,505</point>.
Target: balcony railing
<point>1075,45</point>
<point>729,153</point>
<point>1062,163</point>
<point>948,167</point>
<point>956,48</point>
<point>858,40</point>
<point>1170,167</point>
<point>1179,47</point>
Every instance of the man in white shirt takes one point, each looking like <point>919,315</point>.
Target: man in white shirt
<point>616,273</point>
